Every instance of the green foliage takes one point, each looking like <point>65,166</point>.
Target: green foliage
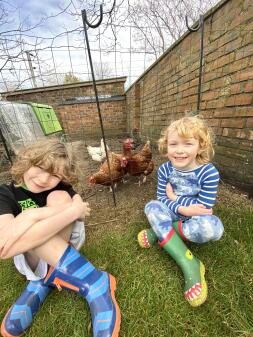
<point>150,286</point>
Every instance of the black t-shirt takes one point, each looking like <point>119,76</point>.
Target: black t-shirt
<point>14,200</point>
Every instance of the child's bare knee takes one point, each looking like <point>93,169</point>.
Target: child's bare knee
<point>58,198</point>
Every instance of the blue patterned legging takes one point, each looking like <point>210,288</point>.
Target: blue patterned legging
<point>200,229</point>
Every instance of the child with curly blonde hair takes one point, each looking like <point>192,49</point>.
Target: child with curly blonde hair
<point>42,228</point>
<point>186,194</point>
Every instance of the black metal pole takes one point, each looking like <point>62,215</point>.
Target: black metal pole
<point>201,60</point>
<point>84,17</point>
<point>200,25</point>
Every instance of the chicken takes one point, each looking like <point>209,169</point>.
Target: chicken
<point>140,163</point>
<point>117,165</point>
<point>98,153</point>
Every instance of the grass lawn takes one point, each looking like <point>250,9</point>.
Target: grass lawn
<point>150,285</point>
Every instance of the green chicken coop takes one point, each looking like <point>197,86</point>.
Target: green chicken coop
<point>46,117</point>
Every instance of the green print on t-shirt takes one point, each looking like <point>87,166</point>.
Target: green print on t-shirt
<point>28,203</point>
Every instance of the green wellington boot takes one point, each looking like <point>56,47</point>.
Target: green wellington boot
<point>177,225</point>
<point>147,237</point>
<point>195,290</point>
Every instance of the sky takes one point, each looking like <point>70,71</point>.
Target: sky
<point>31,12</point>
<point>57,45</point>
<point>60,52</point>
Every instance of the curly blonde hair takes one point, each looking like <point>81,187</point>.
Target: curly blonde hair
<point>188,127</point>
<point>49,153</point>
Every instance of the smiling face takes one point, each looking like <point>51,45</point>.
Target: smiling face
<point>37,179</point>
<point>182,152</point>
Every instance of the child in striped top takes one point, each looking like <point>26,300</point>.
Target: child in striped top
<point>186,194</point>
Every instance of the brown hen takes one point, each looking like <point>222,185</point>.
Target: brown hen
<point>140,163</point>
<point>117,165</point>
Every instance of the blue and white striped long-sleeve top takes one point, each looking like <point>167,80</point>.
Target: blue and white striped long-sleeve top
<point>198,186</point>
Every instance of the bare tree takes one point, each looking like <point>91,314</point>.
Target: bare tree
<point>102,70</point>
<point>129,27</point>
<point>160,23</point>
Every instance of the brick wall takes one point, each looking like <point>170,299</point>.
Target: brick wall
<point>81,120</point>
<point>169,87</point>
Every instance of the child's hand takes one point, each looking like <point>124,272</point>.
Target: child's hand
<point>82,207</point>
<point>170,194</point>
<point>194,210</point>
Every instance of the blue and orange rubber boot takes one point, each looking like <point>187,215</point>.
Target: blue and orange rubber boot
<point>74,272</point>
<point>20,316</point>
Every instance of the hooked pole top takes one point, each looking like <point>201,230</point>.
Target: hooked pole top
<point>200,23</point>
<point>101,14</point>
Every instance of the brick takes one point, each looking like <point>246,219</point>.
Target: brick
<point>214,122</point>
<point>244,75</point>
<point>243,111</point>
<point>249,123</point>
<point>236,65</point>
<point>246,134</point>
<point>217,131</point>
<point>235,88</point>
<point>233,143</point>
<point>248,37</point>
<point>245,51</point>
<point>231,35</point>
<point>227,112</point>
<point>218,103</point>
<point>236,133</point>
<point>248,87</point>
<point>209,76</point>
<point>233,123</point>
<point>207,96</point>
<point>231,152</point>
<point>233,45</point>
<point>225,59</point>
<point>217,83</point>
<point>241,99</point>
<point>247,5</point>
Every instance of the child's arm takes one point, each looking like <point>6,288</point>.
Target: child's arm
<point>170,193</point>
<point>191,210</point>
<point>194,210</point>
<point>174,206</point>
<point>38,229</point>
<point>209,181</point>
<point>161,190</point>
<point>207,195</point>
<point>15,227</point>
